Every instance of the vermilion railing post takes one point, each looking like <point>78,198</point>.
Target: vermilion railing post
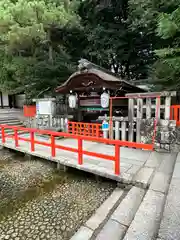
<point>117,159</point>
<point>176,113</point>
<point>72,124</point>
<point>53,151</point>
<point>80,155</point>
<point>97,131</point>
<point>3,134</point>
<point>16,138</point>
<point>32,142</point>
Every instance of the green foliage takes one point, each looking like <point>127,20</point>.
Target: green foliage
<point>41,41</point>
<point>167,68</point>
<point>111,42</point>
<point>25,22</point>
<point>31,59</point>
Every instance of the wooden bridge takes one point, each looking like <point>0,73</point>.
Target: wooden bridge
<point>114,159</point>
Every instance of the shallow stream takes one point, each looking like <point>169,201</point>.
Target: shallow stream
<point>39,202</point>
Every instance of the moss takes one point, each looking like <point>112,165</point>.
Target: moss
<point>9,206</point>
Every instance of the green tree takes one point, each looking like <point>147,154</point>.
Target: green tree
<point>167,68</point>
<point>29,52</point>
<point>111,42</point>
<point>153,19</point>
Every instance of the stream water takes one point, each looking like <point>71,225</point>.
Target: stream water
<point>39,202</point>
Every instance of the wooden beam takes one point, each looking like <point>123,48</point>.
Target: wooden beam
<point>149,94</point>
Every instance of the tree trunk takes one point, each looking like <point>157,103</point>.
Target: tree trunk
<point>50,46</point>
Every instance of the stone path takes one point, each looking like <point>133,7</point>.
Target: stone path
<point>170,224</point>
<point>142,213</point>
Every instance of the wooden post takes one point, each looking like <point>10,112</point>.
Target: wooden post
<point>130,119</point>
<point>117,133</point>
<point>167,108</point>
<point>80,157</point>
<point>32,141</point>
<point>110,118</point>
<point>66,121</point>
<point>117,159</point>
<point>138,128</point>
<point>16,137</point>
<point>139,108</point>
<point>53,150</point>
<point>148,108</point>
<point>123,131</point>
<point>158,111</point>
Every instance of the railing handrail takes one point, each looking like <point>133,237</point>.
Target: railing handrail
<point>85,138</point>
<point>79,150</point>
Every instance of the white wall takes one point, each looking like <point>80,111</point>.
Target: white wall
<point>5,99</point>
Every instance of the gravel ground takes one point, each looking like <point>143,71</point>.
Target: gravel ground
<point>53,214</point>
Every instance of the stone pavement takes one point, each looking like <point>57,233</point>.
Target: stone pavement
<point>139,213</point>
<point>170,224</point>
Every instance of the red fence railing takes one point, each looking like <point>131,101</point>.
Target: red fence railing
<point>175,114</point>
<point>53,144</point>
<point>85,129</point>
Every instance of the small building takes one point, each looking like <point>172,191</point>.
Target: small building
<point>88,84</point>
<point>11,100</point>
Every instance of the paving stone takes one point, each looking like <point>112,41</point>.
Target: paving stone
<point>144,176</point>
<point>126,211</point>
<point>83,233</point>
<point>167,165</point>
<point>176,173</point>
<point>154,160</point>
<point>132,161</point>
<point>178,158</point>
<point>133,170</point>
<point>136,154</point>
<point>170,224</point>
<point>146,222</point>
<point>112,230</point>
<point>102,212</point>
<point>160,182</point>
<point>126,178</point>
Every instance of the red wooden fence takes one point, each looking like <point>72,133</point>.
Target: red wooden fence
<point>53,145</point>
<point>175,114</point>
<point>85,129</point>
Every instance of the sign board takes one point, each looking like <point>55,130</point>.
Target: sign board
<point>44,107</point>
<point>95,109</point>
<point>90,102</point>
<point>105,125</point>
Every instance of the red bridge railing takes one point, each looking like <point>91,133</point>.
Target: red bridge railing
<point>54,146</point>
<point>85,129</point>
<point>175,114</point>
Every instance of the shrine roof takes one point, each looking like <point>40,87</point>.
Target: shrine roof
<point>94,76</point>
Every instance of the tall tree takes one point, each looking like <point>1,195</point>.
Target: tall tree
<point>167,68</point>
<point>26,28</point>
<point>112,43</point>
<point>145,17</point>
